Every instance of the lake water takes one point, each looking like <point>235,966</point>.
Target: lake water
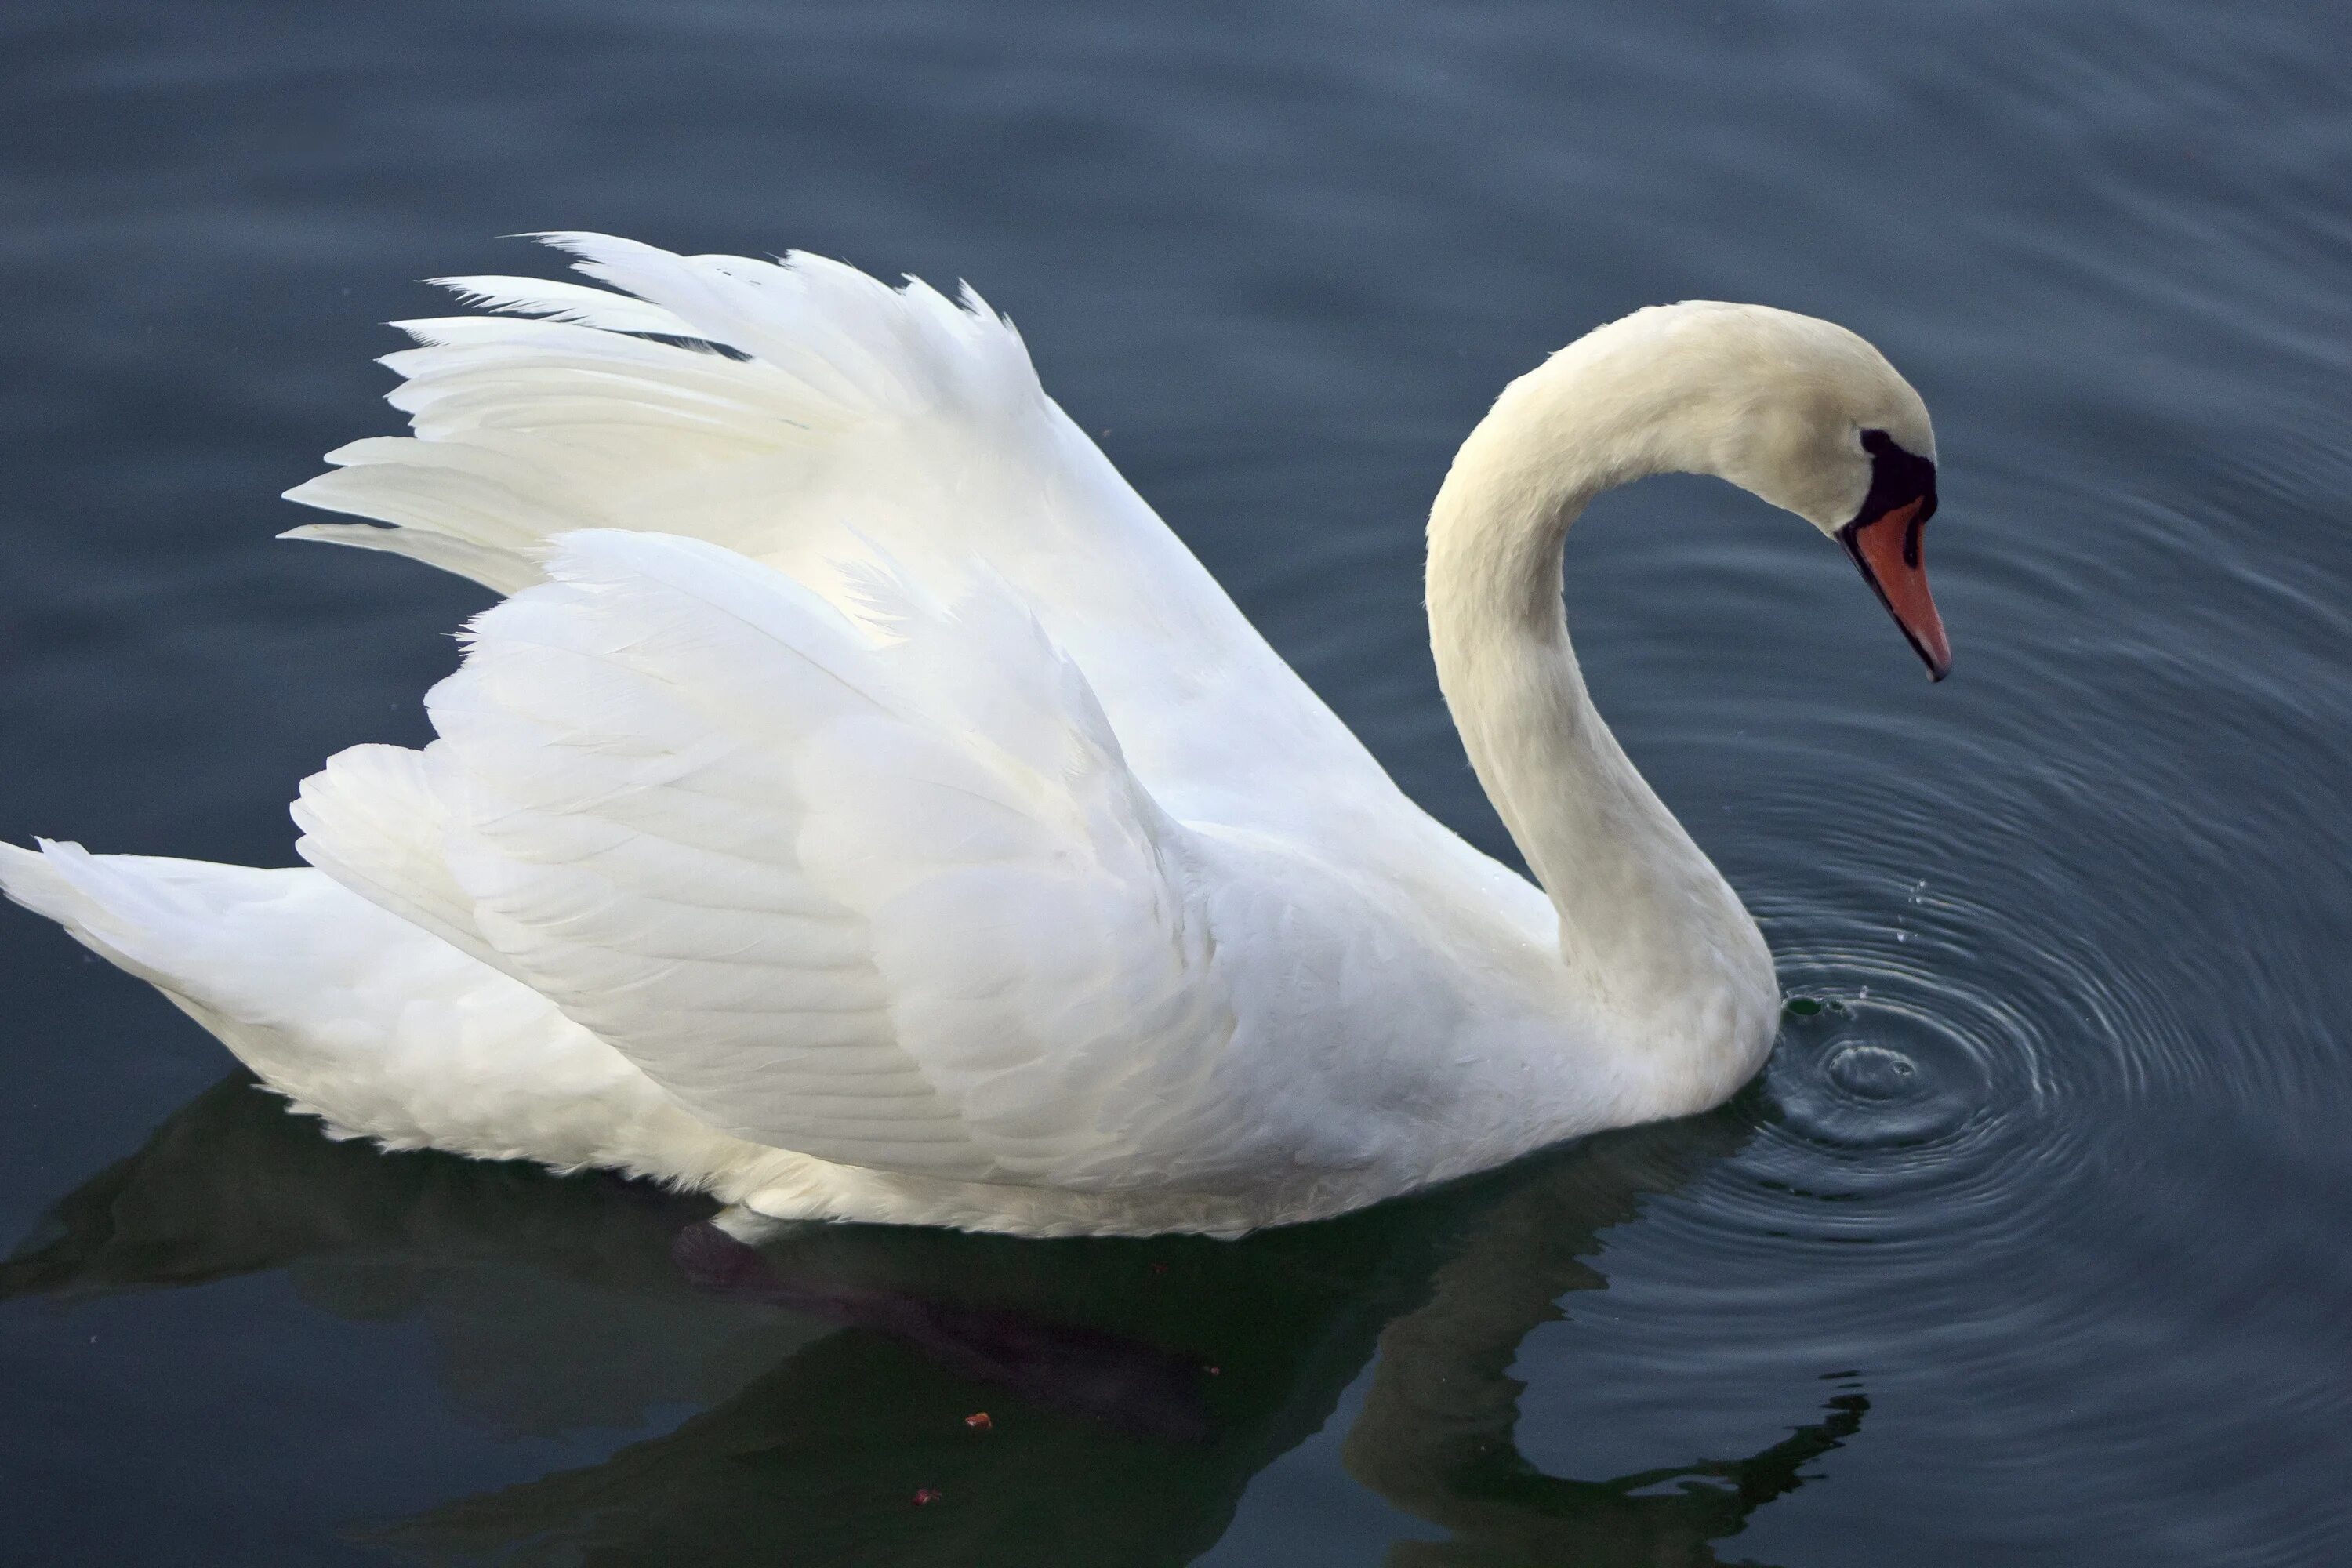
<point>2030,1246</point>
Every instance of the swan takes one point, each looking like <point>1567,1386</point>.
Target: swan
<point>861,806</point>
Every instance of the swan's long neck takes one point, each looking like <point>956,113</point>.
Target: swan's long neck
<point>1646,924</point>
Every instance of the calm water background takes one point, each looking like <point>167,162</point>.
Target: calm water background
<point>2030,1247</point>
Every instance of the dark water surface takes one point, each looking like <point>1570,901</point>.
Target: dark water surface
<point>2029,1248</point>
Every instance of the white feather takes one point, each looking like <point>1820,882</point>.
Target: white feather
<point>566,302</point>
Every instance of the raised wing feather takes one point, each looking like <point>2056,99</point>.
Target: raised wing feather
<point>371,821</point>
<point>789,410</point>
<point>884,893</point>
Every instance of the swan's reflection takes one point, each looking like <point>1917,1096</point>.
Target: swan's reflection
<point>1133,1387</point>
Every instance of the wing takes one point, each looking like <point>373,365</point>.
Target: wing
<point>880,890</point>
<point>788,410</point>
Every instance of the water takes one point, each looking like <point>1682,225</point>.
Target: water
<point>2028,1247</point>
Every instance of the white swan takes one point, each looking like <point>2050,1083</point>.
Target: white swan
<point>864,807</point>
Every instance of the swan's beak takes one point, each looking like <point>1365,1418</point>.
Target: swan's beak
<point>1886,548</point>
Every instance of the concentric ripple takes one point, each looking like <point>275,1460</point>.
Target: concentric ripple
<point>1896,1078</point>
<point>1953,1029</point>
<point>1879,1075</point>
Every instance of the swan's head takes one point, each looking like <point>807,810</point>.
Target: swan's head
<point>1799,411</point>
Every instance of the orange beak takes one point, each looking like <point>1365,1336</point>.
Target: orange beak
<point>1886,548</point>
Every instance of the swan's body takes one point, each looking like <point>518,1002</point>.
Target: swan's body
<point>863,808</point>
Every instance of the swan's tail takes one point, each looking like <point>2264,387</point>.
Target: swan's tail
<point>198,932</point>
<point>157,918</point>
<point>268,960</point>
<point>27,878</point>
<point>376,1025</point>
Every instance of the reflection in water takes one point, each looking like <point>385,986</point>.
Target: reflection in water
<point>1133,1387</point>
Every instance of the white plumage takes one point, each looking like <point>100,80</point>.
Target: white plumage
<point>862,806</point>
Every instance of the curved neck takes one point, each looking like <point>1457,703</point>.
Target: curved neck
<point>1646,922</point>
